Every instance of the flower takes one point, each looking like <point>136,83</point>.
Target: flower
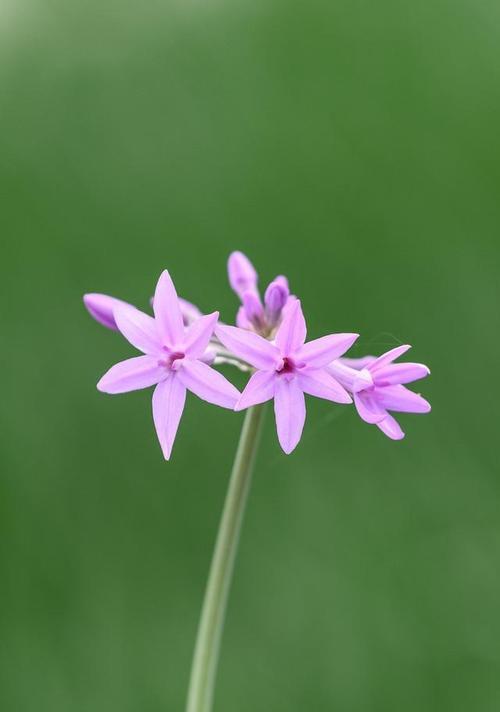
<point>253,315</point>
<point>377,387</point>
<point>172,360</point>
<point>286,369</point>
<point>101,307</point>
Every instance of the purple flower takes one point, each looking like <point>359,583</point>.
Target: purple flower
<point>377,387</point>
<point>101,307</point>
<point>253,315</point>
<point>286,369</point>
<point>172,360</point>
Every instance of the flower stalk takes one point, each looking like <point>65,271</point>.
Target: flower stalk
<point>206,653</point>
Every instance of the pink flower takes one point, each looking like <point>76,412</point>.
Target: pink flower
<point>286,369</point>
<point>253,315</point>
<point>172,360</point>
<point>377,387</point>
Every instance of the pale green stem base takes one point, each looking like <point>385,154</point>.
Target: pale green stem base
<point>206,653</point>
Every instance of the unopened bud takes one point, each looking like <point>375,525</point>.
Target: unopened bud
<point>100,306</point>
<point>275,298</point>
<point>254,311</point>
<point>242,275</point>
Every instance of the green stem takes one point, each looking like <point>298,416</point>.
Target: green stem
<point>206,652</point>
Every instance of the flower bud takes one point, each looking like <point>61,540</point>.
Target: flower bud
<point>275,299</point>
<point>100,306</point>
<point>254,311</point>
<point>242,275</point>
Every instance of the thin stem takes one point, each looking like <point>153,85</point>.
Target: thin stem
<point>206,653</point>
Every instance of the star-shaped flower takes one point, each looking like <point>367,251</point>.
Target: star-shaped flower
<point>377,387</point>
<point>286,369</point>
<point>172,360</point>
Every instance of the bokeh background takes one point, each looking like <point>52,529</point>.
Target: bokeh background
<point>351,145</point>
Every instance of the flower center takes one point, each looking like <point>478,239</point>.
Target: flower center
<point>171,361</point>
<point>287,367</point>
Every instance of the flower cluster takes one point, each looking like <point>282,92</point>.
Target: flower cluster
<point>180,347</point>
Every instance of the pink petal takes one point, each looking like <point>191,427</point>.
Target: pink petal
<point>241,319</point>
<point>317,382</point>
<point>249,346</point>
<point>253,309</point>
<point>207,383</point>
<point>358,363</point>
<point>132,375</point>
<point>241,273</point>
<point>275,298</point>
<point>292,331</point>
<point>167,312</point>
<point>397,373</point>
<point>389,356</point>
<point>290,412</point>
<point>259,389</point>
<point>138,328</point>
<point>320,352</point>
<point>198,335</point>
<point>190,312</point>
<point>390,427</point>
<point>169,398</point>
<point>348,377</point>
<point>401,399</point>
<point>100,307</point>
<point>368,408</point>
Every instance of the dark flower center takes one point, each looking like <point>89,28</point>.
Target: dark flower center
<point>171,358</point>
<point>288,366</point>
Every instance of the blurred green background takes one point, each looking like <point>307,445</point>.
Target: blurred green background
<point>351,145</point>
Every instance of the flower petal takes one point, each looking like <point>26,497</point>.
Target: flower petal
<point>390,427</point>
<point>402,400</point>
<point>241,319</point>
<point>169,398</point>
<point>100,307</point>
<point>198,335</point>
<point>241,273</point>
<point>358,363</point>
<point>389,356</point>
<point>352,379</point>
<point>253,309</point>
<point>259,389</point>
<point>320,352</point>
<point>132,375</point>
<point>317,382</point>
<point>368,408</point>
<point>292,331</point>
<point>275,298</point>
<point>167,311</point>
<point>397,373</point>
<point>290,412</point>
<point>249,346</point>
<point>138,328</point>
<point>207,383</point>
<point>190,312</point>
